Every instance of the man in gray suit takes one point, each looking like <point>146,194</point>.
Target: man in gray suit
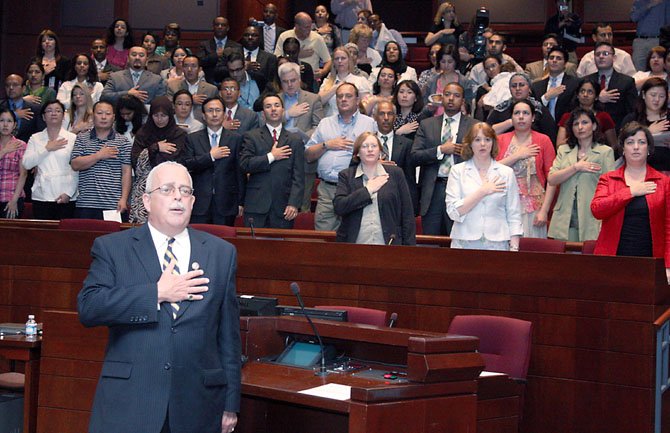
<point>303,112</point>
<point>167,295</point>
<point>437,146</point>
<point>273,159</point>
<point>201,90</point>
<point>135,81</point>
<point>236,118</point>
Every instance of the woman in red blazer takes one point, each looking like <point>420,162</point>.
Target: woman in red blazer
<point>633,202</point>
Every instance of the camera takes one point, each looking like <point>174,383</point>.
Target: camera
<point>481,23</point>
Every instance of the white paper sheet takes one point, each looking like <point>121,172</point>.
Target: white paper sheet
<point>334,391</point>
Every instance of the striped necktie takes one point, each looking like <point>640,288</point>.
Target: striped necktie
<point>169,258</point>
<point>445,166</point>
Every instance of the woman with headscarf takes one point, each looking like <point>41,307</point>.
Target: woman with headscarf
<point>392,58</point>
<point>157,141</point>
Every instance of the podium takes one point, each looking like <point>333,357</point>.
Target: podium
<point>439,393</point>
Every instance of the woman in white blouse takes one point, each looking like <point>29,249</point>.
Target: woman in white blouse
<point>55,188</point>
<point>84,73</point>
<point>483,196</point>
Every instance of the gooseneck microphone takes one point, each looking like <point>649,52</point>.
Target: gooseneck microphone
<point>251,226</point>
<point>296,291</point>
<point>394,318</point>
<point>391,239</point>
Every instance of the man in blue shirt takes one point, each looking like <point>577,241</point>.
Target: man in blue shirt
<point>332,145</point>
<point>650,16</point>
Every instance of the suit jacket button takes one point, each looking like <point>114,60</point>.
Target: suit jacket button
<point>167,366</point>
<point>174,330</point>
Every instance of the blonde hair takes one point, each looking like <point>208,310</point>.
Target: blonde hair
<point>358,31</point>
<point>332,75</point>
<point>440,11</point>
<point>89,104</point>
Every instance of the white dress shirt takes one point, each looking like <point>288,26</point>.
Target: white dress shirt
<point>65,92</point>
<point>54,175</point>
<point>623,64</point>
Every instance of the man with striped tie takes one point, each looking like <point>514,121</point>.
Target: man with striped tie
<point>167,294</point>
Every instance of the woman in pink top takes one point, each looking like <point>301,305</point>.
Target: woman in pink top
<point>530,154</point>
<point>12,173</point>
<point>119,41</point>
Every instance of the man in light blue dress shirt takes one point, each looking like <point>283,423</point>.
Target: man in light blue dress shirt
<point>332,145</point>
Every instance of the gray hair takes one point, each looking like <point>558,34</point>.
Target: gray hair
<point>287,67</point>
<point>150,177</point>
<point>522,75</point>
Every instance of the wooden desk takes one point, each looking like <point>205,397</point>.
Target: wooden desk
<point>20,348</point>
<point>593,317</point>
<point>439,397</point>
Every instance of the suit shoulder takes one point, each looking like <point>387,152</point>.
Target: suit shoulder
<point>211,240</point>
<point>393,170</point>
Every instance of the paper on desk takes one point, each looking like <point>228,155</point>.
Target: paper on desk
<point>334,391</point>
<point>490,373</point>
<point>111,215</point>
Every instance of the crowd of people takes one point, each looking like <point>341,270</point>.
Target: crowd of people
<point>481,148</point>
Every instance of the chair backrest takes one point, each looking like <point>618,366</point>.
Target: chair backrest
<point>504,342</point>
<point>304,221</point>
<point>217,230</point>
<point>539,245</point>
<point>588,247</point>
<point>83,224</point>
<point>365,316</point>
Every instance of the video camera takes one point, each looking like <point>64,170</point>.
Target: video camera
<point>481,23</point>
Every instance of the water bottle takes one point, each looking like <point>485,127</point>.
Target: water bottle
<point>31,327</point>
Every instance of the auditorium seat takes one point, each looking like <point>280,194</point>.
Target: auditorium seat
<point>588,247</point>
<point>419,226</point>
<point>83,224</point>
<point>217,230</point>
<point>239,221</point>
<point>539,245</point>
<point>504,342</point>
<point>365,316</point>
<point>27,213</point>
<point>304,221</point>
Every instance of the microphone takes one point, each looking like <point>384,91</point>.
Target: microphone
<point>296,291</point>
<point>394,318</point>
<point>251,226</point>
<point>391,239</point>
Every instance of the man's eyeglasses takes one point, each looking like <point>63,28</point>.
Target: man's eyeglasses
<point>168,189</point>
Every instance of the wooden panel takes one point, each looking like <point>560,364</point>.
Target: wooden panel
<point>592,363</point>
<point>50,420</point>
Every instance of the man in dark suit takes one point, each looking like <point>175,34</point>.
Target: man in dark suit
<point>201,90</point>
<point>237,118</point>
<point>618,94</point>
<point>135,81</point>
<point>211,50</point>
<point>99,53</point>
<point>557,90</point>
<point>167,295</point>
<point>28,114</point>
<point>271,30</point>
<point>255,59</point>
<point>437,146</point>
<point>273,158</point>
<point>211,156</point>
<point>304,111</point>
<point>396,148</point>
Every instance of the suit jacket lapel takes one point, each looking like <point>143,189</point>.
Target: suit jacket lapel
<point>146,253</point>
